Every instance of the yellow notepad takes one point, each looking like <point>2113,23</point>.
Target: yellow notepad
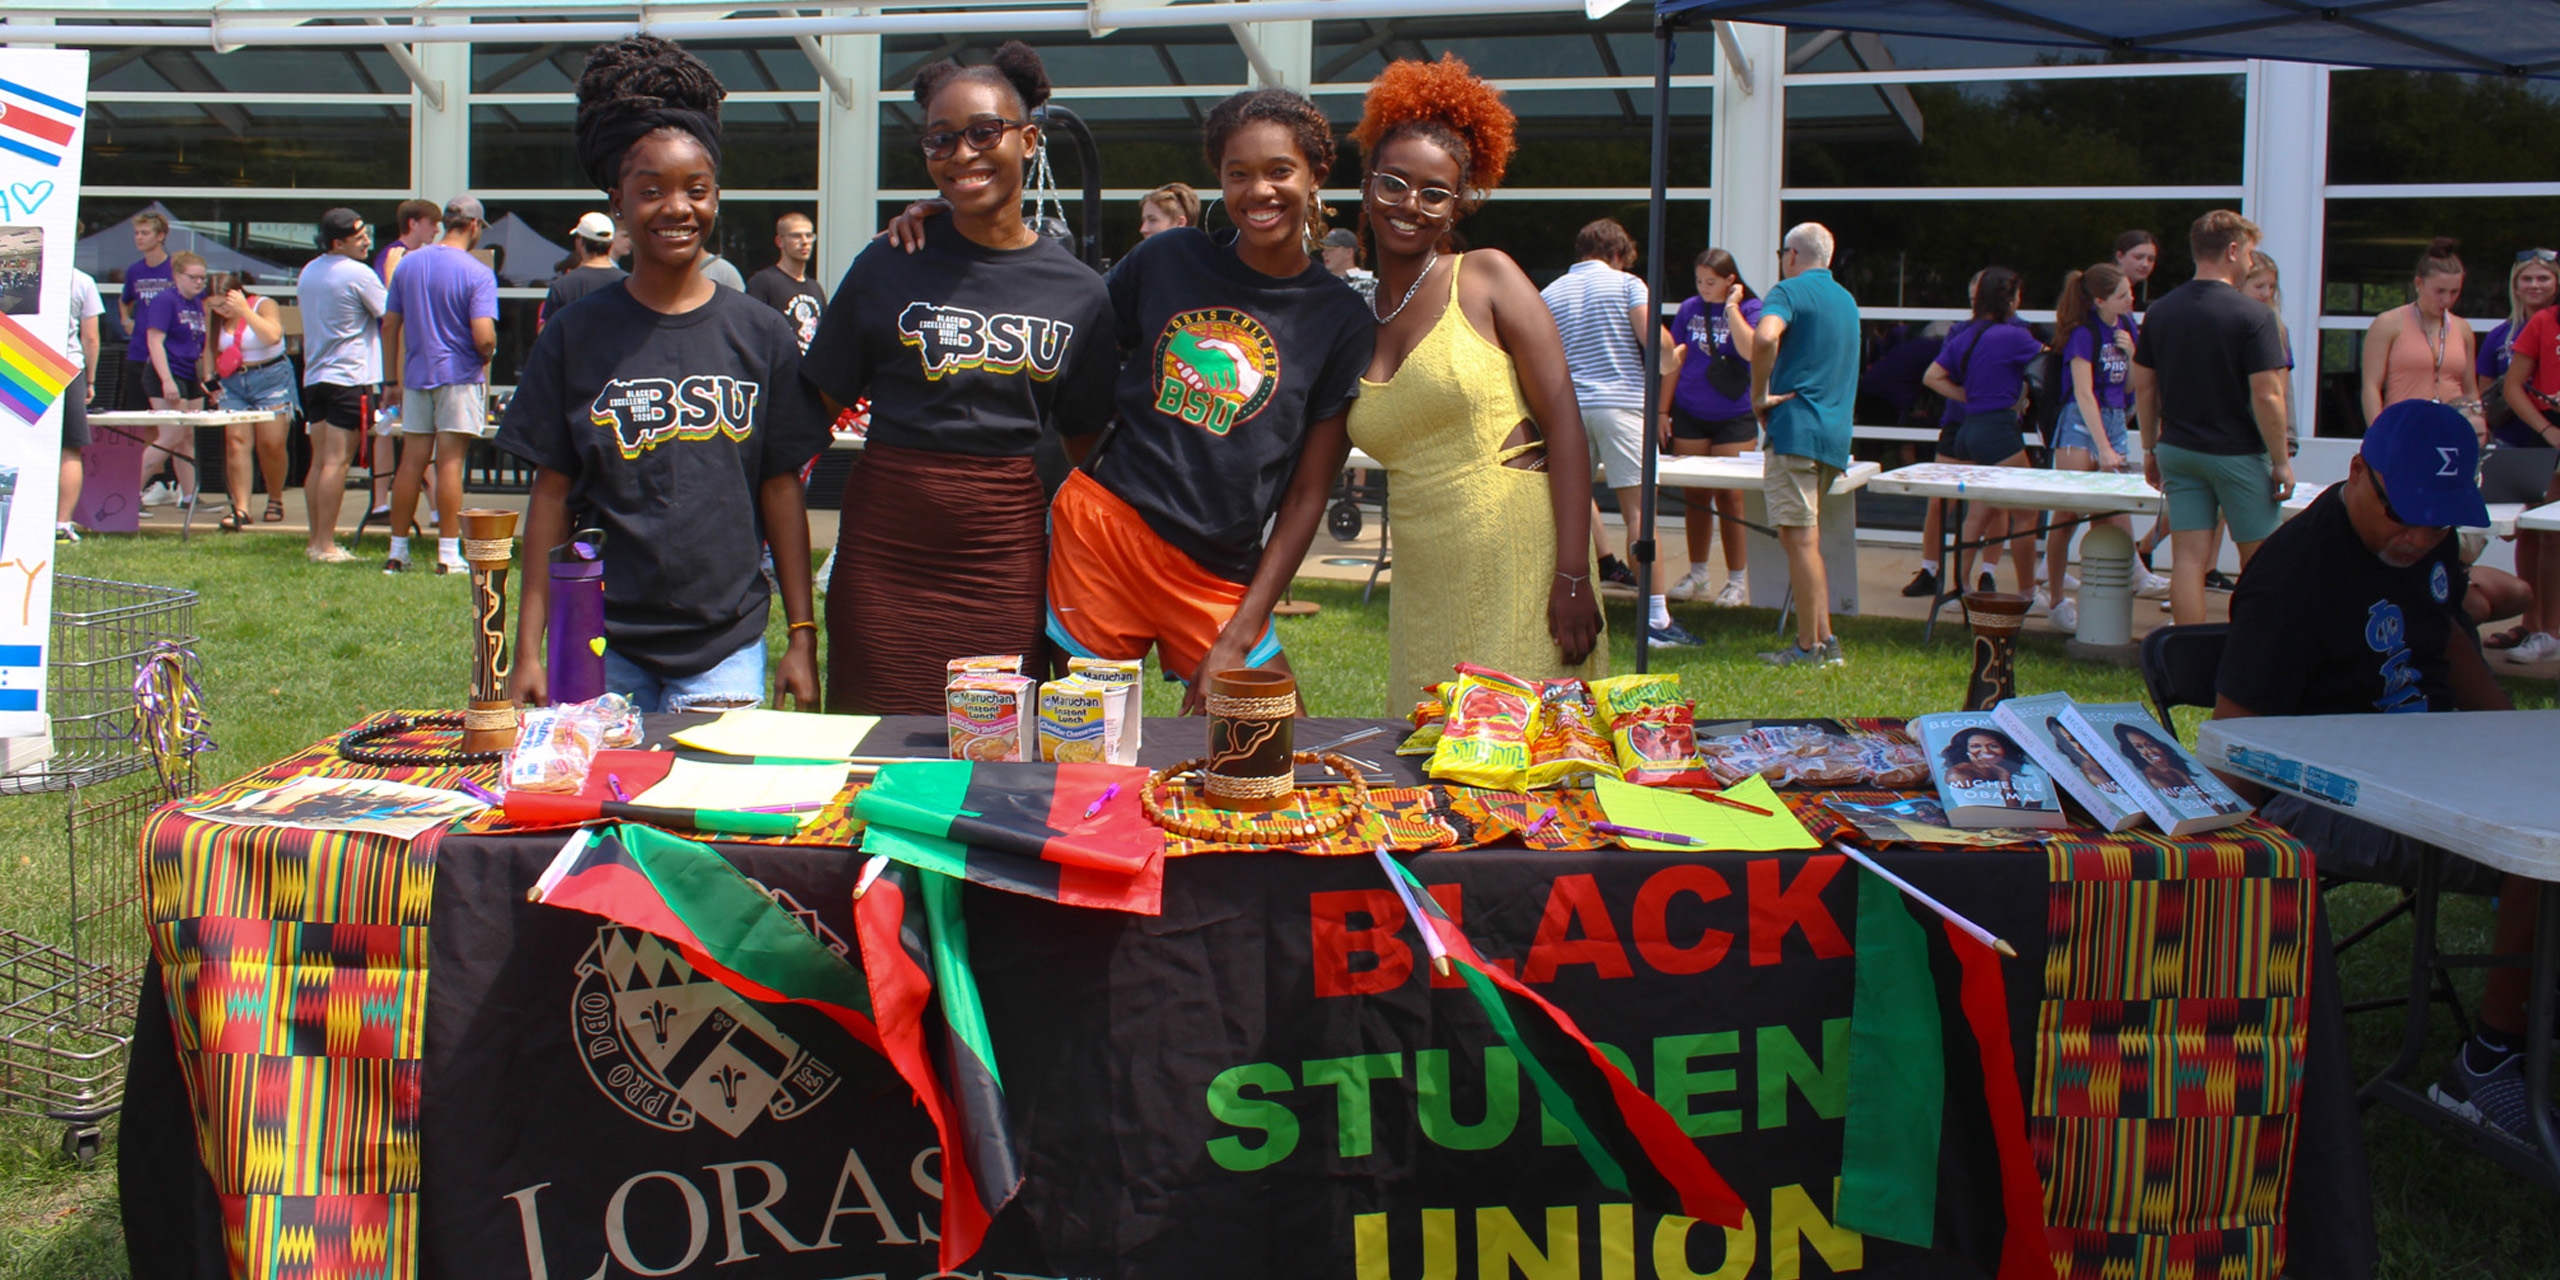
<point>1714,826</point>
<point>698,784</point>
<point>755,731</point>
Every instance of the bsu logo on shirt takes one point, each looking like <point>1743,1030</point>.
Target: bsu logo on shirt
<point>949,338</point>
<point>1215,367</point>
<point>643,413</point>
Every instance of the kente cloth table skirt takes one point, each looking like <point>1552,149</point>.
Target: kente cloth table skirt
<point>1264,1080</point>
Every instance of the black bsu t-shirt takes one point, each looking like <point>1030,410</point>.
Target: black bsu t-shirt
<point>665,425</point>
<point>1224,369</point>
<point>966,349</point>
<point>800,301</point>
<point>2204,340</point>
<point>2321,626</point>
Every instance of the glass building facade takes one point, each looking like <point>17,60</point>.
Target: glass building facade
<point>1928,158</point>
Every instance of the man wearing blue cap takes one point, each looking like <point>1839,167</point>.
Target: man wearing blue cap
<point>2355,607</point>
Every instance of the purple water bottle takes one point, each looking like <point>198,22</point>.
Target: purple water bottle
<point>576,625</point>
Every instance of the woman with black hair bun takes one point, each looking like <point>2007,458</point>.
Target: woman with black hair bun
<point>968,349</point>
<point>671,414</point>
<point>1468,401</point>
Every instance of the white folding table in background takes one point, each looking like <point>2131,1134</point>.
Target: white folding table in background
<point>2542,519</point>
<point>2475,783</point>
<point>2079,493</point>
<point>111,464</point>
<point>2502,515</point>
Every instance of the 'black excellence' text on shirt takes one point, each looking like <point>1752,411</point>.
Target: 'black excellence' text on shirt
<point>666,425</point>
<point>1223,369</point>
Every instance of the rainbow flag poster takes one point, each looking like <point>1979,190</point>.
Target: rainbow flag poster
<point>33,372</point>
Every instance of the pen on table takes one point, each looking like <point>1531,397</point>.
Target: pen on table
<point>1731,803</point>
<point>1541,824</point>
<point>477,792</point>
<point>1977,932</point>
<point>784,808</point>
<point>1109,794</point>
<point>1640,833</point>
<point>614,781</point>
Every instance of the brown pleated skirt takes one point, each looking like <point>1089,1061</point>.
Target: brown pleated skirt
<point>940,556</point>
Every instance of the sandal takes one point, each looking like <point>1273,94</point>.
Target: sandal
<point>2507,639</point>
<point>275,511</point>
<point>233,523</point>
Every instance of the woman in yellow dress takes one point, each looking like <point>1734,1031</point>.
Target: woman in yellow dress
<point>1465,401</point>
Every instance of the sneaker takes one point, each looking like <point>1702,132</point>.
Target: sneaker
<point>66,532</point>
<point>2070,581</point>
<point>1985,582</point>
<point>187,503</point>
<point>1615,571</point>
<point>2217,580</point>
<point>334,555</point>
<point>452,566</point>
<point>1736,593</point>
<point>1691,584</point>
<point>159,493</point>
<point>1923,584</point>
<point>2151,584</point>
<point>2541,646</point>
<point>1793,656</point>
<point>2066,616</point>
<point>2038,603</point>
<point>1671,636</point>
<point>2496,1099</point>
<point>1831,655</point>
<point>392,564</point>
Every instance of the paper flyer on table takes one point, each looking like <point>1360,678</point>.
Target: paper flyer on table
<point>319,803</point>
<point>756,731</point>
<point>699,784</point>
<point>1712,825</point>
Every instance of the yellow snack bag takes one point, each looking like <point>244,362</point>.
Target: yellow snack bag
<point>1486,741</point>
<point>1567,748</point>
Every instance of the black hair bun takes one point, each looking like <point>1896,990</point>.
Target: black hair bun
<point>1017,67</point>
<point>644,72</point>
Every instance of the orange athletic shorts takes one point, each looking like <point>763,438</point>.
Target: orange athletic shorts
<point>1116,588</point>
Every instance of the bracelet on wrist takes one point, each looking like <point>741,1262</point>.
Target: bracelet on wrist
<point>797,625</point>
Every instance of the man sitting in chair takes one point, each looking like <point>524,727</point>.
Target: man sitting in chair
<point>2355,607</point>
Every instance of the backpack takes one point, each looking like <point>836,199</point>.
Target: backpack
<point>2052,389</point>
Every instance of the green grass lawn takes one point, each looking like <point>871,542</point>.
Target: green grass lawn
<point>293,652</point>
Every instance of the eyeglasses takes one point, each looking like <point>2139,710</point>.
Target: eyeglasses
<point>2391,515</point>
<point>982,134</point>
<point>1390,190</point>
<point>2538,255</point>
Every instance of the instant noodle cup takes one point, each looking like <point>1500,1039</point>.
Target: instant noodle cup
<point>1486,741</point>
<point>991,716</point>
<point>1009,664</point>
<point>1567,748</point>
<point>1072,720</point>
<point>1123,681</point>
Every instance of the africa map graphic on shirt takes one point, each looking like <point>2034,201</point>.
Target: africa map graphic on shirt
<point>1215,367</point>
<point>949,338</point>
<point>643,413</point>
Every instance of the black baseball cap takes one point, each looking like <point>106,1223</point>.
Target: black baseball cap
<point>337,224</point>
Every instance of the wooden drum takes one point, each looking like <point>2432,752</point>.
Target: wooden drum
<point>1252,715</point>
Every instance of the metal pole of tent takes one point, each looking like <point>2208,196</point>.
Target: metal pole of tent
<point>1657,253</point>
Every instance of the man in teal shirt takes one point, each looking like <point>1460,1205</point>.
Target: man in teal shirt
<point>1803,380</point>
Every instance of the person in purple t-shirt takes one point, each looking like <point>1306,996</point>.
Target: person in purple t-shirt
<point>1983,366</point>
<point>1706,409</point>
<point>439,328</point>
<point>143,281</point>
<point>2093,327</point>
<point>173,328</point>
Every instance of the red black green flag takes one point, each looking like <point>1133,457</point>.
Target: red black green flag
<point>688,895</point>
<point>1929,1039</point>
<point>1023,828</point>
<point>1631,1143</point>
<point>915,948</point>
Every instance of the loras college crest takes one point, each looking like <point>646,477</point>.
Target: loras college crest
<point>673,1047</point>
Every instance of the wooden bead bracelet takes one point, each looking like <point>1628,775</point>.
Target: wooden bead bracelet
<point>1158,797</point>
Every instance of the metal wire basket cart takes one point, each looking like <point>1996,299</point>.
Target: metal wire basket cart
<point>68,985</point>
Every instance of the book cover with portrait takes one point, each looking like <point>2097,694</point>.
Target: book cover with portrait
<point>1984,778</point>
<point>2182,796</point>
<point>2036,724</point>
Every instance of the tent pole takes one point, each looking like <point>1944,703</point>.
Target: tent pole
<point>1657,239</point>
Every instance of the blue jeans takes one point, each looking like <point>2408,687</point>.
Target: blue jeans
<point>2071,431</point>
<point>740,675</point>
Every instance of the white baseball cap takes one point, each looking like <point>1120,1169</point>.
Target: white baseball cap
<point>595,226</point>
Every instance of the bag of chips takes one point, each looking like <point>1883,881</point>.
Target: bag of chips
<point>1430,716</point>
<point>1567,748</point>
<point>1652,731</point>
<point>1486,741</point>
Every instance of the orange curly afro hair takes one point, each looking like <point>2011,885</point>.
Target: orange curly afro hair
<point>1445,102</point>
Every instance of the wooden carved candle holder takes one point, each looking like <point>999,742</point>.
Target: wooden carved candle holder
<point>488,544</point>
<point>1252,713</point>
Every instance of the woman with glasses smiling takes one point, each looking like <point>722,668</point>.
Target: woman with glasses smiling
<point>968,349</point>
<point>1467,398</point>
